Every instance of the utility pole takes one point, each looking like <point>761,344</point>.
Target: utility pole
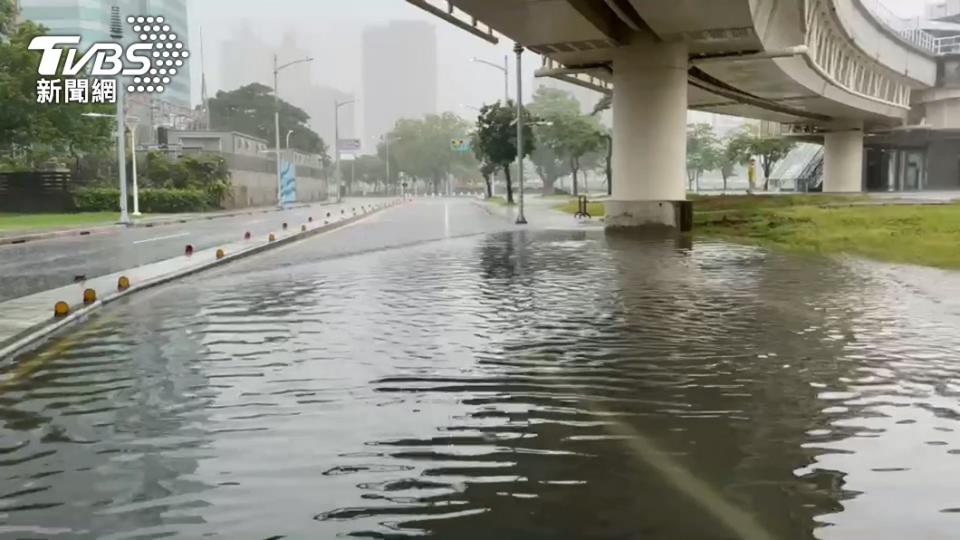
<point>116,32</point>
<point>518,49</point>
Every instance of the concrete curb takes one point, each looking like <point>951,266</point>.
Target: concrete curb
<point>100,229</point>
<point>35,337</point>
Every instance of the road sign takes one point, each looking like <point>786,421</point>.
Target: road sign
<point>349,145</point>
<point>460,145</point>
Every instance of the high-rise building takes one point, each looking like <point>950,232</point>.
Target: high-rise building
<point>90,19</point>
<point>246,59</point>
<point>399,75</point>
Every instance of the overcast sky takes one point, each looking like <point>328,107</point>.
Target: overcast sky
<point>332,29</point>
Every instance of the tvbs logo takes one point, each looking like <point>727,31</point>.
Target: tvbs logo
<point>148,64</point>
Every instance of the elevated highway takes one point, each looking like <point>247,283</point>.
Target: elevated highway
<point>826,68</point>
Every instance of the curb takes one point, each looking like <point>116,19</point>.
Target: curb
<point>35,337</point>
<point>79,231</point>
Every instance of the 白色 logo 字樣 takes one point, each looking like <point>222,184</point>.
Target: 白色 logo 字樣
<point>147,64</point>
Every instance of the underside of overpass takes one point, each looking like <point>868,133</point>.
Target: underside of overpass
<point>822,66</point>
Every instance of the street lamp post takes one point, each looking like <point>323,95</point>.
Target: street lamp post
<point>133,155</point>
<point>518,49</point>
<point>336,136</point>
<point>505,68</point>
<point>129,123</point>
<point>276,117</point>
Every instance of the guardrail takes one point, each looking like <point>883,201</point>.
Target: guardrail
<point>910,31</point>
<point>832,54</point>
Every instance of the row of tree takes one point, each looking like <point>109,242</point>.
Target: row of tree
<point>708,152</point>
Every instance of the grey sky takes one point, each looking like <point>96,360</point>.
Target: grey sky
<point>332,30</point>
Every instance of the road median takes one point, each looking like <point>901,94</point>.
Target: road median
<point>27,322</point>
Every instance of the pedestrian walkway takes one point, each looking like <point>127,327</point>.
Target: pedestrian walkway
<point>540,214</point>
<point>26,320</point>
<point>19,236</point>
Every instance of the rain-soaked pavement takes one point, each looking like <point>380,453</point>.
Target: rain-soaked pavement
<point>436,371</point>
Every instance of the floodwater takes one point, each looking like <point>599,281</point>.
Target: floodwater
<point>434,372</point>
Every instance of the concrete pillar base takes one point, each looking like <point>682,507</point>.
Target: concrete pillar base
<point>649,215</point>
<point>843,161</point>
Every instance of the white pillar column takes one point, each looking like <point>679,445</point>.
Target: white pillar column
<point>843,161</point>
<point>649,134</point>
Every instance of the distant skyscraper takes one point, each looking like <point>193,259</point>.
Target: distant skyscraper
<point>399,75</point>
<point>90,19</point>
<point>245,59</point>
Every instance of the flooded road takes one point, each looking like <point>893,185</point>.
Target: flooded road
<point>433,371</point>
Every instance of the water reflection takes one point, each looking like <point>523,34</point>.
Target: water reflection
<point>538,384</point>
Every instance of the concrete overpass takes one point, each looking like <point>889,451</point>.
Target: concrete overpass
<point>832,69</point>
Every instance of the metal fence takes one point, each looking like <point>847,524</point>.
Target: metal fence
<point>37,191</point>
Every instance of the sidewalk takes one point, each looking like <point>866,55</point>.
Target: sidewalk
<point>26,321</point>
<point>541,215</point>
<point>21,236</point>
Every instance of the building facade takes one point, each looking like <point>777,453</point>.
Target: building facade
<point>400,76</point>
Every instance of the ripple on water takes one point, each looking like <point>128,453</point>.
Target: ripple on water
<point>535,385</point>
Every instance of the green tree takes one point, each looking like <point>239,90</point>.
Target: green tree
<point>497,138</point>
<point>562,129</point>
<point>748,142</point>
<point>550,103</point>
<point>728,160</point>
<point>8,11</point>
<point>421,147</point>
<point>30,132</point>
<point>576,137</point>
<point>249,110</point>
<point>703,152</point>
<point>371,170</point>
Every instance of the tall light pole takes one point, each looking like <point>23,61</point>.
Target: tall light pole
<point>505,68</point>
<point>336,136</point>
<point>116,32</point>
<point>276,117</point>
<point>132,126</point>
<point>130,123</point>
<point>518,49</point>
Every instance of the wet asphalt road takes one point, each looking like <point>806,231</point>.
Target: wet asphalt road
<point>433,371</point>
<point>46,264</point>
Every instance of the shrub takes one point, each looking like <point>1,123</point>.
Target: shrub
<point>159,201</point>
<point>95,199</point>
<point>152,201</point>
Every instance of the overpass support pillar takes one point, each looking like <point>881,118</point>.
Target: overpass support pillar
<point>649,136</point>
<point>843,161</point>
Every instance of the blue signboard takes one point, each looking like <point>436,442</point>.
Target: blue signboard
<point>288,183</point>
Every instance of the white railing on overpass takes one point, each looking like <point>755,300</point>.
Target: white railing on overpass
<point>833,55</point>
<point>909,30</point>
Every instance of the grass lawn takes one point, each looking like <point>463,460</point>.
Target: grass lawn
<point>502,201</point>
<point>594,208</point>
<point>13,222</point>
<point>907,233</point>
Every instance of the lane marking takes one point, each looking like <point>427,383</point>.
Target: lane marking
<point>158,238</point>
<point>446,219</point>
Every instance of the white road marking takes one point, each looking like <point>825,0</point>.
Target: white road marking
<point>446,219</point>
<point>158,238</point>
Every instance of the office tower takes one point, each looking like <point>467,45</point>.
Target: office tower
<point>399,75</point>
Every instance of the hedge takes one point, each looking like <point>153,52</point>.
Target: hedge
<point>152,200</point>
